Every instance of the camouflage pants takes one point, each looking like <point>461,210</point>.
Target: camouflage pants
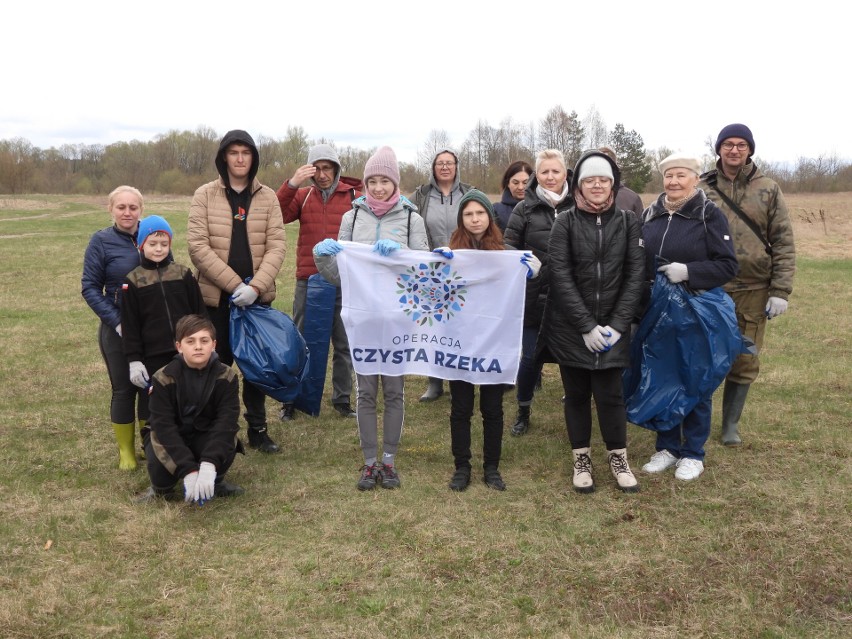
<point>751,317</point>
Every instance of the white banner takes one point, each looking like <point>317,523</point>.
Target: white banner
<point>415,312</point>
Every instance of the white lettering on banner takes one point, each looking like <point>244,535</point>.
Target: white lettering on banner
<point>413,312</point>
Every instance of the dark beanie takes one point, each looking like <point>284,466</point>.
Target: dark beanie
<point>477,196</point>
<point>735,131</point>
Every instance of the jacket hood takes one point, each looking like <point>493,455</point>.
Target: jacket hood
<point>616,172</point>
<point>241,137</point>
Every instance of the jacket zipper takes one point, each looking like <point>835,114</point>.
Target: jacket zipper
<point>165,301</point>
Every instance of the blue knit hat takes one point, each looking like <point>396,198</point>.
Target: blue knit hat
<point>735,131</point>
<point>149,225</point>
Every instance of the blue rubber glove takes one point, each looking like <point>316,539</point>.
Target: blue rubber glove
<point>328,247</point>
<point>386,247</point>
<point>446,251</point>
<point>532,263</point>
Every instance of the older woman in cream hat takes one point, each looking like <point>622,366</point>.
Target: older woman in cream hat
<point>686,238</point>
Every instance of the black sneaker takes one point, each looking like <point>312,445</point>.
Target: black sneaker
<point>389,477</point>
<point>227,489</point>
<point>259,439</point>
<point>345,410</point>
<point>461,479</point>
<point>369,475</point>
<point>493,479</point>
<point>287,413</point>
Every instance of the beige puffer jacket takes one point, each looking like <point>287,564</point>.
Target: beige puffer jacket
<point>209,240</point>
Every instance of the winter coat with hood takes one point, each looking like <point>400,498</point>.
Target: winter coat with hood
<point>597,270</point>
<point>210,225</point>
<point>441,222</point>
<point>318,219</point>
<point>401,224</point>
<point>761,199</point>
<point>529,229</point>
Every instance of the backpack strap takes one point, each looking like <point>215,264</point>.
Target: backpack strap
<point>711,178</point>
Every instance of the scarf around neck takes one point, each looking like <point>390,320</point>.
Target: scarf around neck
<point>380,207</point>
<point>554,199</point>
<point>584,205</point>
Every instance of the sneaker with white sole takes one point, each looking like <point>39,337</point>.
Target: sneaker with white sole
<point>689,469</point>
<point>660,461</point>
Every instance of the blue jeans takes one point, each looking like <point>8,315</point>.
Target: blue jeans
<point>687,440</point>
<point>528,371</point>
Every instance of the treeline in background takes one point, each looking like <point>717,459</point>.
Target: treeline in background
<point>177,162</point>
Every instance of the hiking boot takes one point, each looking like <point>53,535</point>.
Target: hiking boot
<point>369,474</point>
<point>227,489</point>
<point>492,479</point>
<point>617,458</point>
<point>345,410</point>
<point>259,439</point>
<point>660,461</point>
<point>522,423</point>
<point>389,477</point>
<point>461,479</point>
<point>287,413</point>
<point>583,482</point>
<point>689,469</point>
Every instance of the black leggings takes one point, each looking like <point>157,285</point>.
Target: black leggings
<point>605,386</point>
<point>123,404</point>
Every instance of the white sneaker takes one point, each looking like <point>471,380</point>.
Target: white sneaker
<point>659,461</point>
<point>688,469</point>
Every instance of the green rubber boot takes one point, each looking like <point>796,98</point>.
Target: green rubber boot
<point>733,402</point>
<point>125,435</point>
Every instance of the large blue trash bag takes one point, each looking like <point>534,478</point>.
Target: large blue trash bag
<point>684,348</point>
<point>269,350</point>
<point>316,329</point>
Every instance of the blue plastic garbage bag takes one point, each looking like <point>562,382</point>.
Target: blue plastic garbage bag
<point>316,329</point>
<point>269,350</point>
<point>684,348</point>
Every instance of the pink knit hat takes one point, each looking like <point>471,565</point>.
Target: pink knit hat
<point>383,162</point>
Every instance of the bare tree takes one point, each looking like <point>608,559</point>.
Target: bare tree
<point>436,140</point>
<point>595,128</point>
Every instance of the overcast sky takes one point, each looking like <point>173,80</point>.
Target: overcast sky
<point>366,73</point>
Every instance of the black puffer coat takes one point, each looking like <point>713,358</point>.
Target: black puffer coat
<point>529,228</point>
<point>597,267</point>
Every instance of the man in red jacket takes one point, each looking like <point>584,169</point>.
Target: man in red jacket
<point>319,209</point>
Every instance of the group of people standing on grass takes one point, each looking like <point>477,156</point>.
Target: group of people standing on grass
<point>590,253</point>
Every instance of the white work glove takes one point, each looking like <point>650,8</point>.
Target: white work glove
<point>139,374</point>
<point>189,486</point>
<point>118,330</point>
<point>676,272</point>
<point>244,295</point>
<point>612,336</point>
<point>532,263</point>
<point>775,307</point>
<point>446,251</point>
<point>206,483</point>
<point>595,340</point>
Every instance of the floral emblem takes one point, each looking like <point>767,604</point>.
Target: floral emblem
<point>431,292</point>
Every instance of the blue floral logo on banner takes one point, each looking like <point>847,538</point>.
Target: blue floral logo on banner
<point>431,292</point>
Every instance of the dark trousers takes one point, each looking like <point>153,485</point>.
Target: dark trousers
<point>162,480</point>
<point>605,386</point>
<point>688,439</point>
<point>529,370</point>
<point>461,411</point>
<point>253,398</point>
<point>123,405</point>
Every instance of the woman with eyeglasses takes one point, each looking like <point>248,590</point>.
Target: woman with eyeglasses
<point>438,204</point>
<point>597,267</point>
<point>547,194</point>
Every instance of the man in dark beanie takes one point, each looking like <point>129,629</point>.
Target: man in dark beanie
<point>763,239</point>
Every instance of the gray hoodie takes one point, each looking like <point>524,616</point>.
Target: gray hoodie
<point>439,211</point>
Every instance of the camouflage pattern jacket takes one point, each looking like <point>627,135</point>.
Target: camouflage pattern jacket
<point>761,199</point>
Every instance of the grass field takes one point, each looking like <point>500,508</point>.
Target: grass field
<point>759,546</point>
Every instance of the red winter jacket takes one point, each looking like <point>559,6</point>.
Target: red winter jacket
<point>318,220</point>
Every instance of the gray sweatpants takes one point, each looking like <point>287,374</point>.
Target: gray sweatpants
<point>393,390</point>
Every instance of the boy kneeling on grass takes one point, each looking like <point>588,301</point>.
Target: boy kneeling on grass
<point>192,432</point>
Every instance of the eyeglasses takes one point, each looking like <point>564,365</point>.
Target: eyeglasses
<point>445,165</point>
<point>328,170</point>
<point>741,146</point>
<point>591,181</point>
